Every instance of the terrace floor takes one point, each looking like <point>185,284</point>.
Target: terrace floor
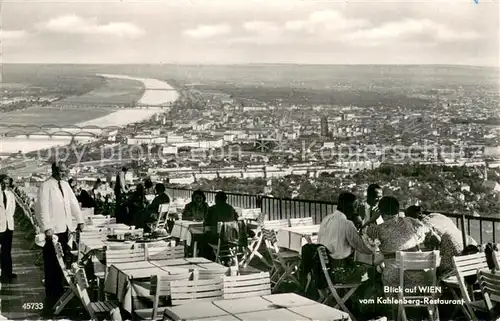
<point>28,287</point>
<point>15,297</point>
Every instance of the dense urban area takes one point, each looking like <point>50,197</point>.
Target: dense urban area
<point>433,144</point>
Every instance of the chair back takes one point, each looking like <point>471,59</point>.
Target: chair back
<point>306,221</point>
<point>489,282</point>
<point>164,252</point>
<point>160,287</point>
<point>92,234</point>
<point>418,261</point>
<point>62,264</point>
<point>119,246</point>
<point>82,285</point>
<point>250,214</point>
<point>276,224</point>
<point>187,292</point>
<point>271,240</point>
<point>244,286</point>
<point>229,232</point>
<point>468,265</point>
<point>125,256</point>
<point>324,260</point>
<point>163,210</point>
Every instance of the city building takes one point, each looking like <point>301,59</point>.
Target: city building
<point>324,126</point>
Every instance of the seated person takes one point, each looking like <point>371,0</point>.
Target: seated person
<point>197,209</point>
<point>86,200</point>
<point>150,213</point>
<point>135,204</point>
<point>220,212</point>
<point>339,234</point>
<point>148,186</point>
<point>397,234</point>
<point>369,210</point>
<point>445,236</point>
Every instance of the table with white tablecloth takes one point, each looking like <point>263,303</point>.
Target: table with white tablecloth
<point>183,230</point>
<point>293,238</point>
<point>130,282</point>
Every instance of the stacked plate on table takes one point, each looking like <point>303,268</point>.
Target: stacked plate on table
<point>157,235</point>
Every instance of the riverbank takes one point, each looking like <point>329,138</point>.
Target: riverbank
<point>157,95</point>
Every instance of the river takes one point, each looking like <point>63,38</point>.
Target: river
<point>157,93</point>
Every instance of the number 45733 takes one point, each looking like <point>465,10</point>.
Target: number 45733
<point>33,306</point>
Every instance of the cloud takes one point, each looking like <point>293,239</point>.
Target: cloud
<point>208,31</point>
<point>409,30</point>
<point>12,34</point>
<point>73,24</point>
<point>261,27</point>
<point>325,21</point>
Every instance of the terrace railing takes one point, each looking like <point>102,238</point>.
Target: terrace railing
<point>482,229</point>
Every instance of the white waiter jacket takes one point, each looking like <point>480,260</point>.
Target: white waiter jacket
<point>7,213</point>
<point>55,211</point>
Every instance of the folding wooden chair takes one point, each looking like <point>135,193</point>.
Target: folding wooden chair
<point>118,256</point>
<point>285,263</point>
<point>160,289</point>
<point>189,292</point>
<point>306,221</point>
<point>68,277</point>
<point>125,256</point>
<point>418,261</point>
<point>244,286</point>
<point>94,309</point>
<point>228,248</point>
<point>464,266</point>
<point>254,244</point>
<point>163,211</point>
<point>489,283</point>
<point>350,288</point>
<point>164,252</point>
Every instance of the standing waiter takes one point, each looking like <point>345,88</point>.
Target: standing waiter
<point>7,210</point>
<point>57,204</point>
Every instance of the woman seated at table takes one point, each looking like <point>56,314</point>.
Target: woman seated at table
<point>197,209</point>
<point>445,236</point>
<point>397,234</point>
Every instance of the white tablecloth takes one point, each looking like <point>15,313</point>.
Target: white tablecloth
<point>181,230</point>
<point>293,238</point>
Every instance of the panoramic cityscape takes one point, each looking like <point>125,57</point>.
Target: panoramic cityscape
<point>285,109</point>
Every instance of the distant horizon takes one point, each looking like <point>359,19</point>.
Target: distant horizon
<point>244,64</point>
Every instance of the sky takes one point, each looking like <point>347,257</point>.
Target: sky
<point>251,31</point>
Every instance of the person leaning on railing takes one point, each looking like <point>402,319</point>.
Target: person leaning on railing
<point>444,236</point>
